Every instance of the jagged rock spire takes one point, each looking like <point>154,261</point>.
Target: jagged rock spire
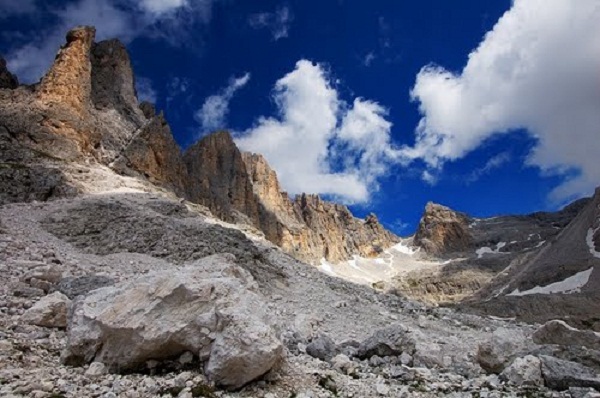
<point>69,80</point>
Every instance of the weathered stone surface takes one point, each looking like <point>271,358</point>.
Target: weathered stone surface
<point>51,311</point>
<point>209,309</point>
<point>310,228</point>
<point>500,350</point>
<point>322,347</point>
<point>442,230</point>
<point>7,79</point>
<point>560,375</point>
<point>69,82</point>
<point>393,340</point>
<point>559,332</point>
<point>153,153</point>
<point>218,179</point>
<point>525,371</point>
<point>74,286</point>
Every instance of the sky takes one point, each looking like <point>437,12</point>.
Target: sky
<point>489,107</point>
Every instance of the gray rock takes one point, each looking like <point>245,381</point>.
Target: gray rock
<point>322,347</point>
<point>392,340</point>
<point>82,285</point>
<point>526,371</point>
<point>500,350</point>
<point>51,311</point>
<point>209,309</point>
<point>96,369</point>
<point>559,332</point>
<point>48,273</point>
<point>561,375</point>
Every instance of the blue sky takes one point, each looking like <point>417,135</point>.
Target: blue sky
<point>490,107</point>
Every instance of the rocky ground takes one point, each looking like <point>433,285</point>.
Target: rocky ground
<point>332,337</point>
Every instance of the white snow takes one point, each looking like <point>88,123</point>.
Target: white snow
<point>589,239</point>
<point>572,284</point>
<point>540,244</point>
<point>403,248</point>
<point>326,267</point>
<point>488,250</point>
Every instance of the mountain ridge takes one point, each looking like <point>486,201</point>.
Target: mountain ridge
<point>86,109</point>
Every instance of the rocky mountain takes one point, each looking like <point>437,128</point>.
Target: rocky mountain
<point>85,110</point>
<point>560,279</point>
<point>130,269</point>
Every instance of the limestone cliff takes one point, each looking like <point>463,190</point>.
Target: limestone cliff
<point>85,111</point>
<point>442,230</point>
<point>218,179</point>
<point>309,227</point>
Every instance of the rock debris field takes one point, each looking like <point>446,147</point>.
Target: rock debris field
<point>139,295</point>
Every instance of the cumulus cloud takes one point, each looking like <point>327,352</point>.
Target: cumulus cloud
<point>213,114</point>
<point>124,19</point>
<point>537,70</point>
<point>277,22</point>
<point>320,144</point>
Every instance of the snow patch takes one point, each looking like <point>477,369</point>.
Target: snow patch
<point>326,267</point>
<point>403,248</point>
<point>572,284</point>
<point>589,239</point>
<point>488,250</point>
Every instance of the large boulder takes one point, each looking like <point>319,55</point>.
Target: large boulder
<point>210,308</point>
<point>525,371</point>
<point>559,332</point>
<point>501,349</point>
<point>561,375</point>
<point>322,347</point>
<point>392,340</point>
<point>51,311</point>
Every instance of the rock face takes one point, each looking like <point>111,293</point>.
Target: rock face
<point>560,375</point>
<point>560,279</point>
<point>69,81</point>
<point>220,180</point>
<point>442,230</point>
<point>7,79</point>
<point>210,309</point>
<point>51,311</point>
<point>478,253</point>
<point>308,227</point>
<point>85,110</point>
<point>559,332</point>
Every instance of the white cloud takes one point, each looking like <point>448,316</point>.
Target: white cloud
<point>537,70</point>
<point>13,7</point>
<point>158,7</point>
<point>319,144</point>
<point>277,22</point>
<point>123,19</point>
<point>369,58</point>
<point>212,116</point>
<point>144,89</point>
<point>492,164</point>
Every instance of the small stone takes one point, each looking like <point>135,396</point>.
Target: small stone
<point>96,369</point>
<point>382,389</point>
<point>186,358</point>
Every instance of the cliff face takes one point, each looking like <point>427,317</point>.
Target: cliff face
<point>7,79</point>
<point>442,230</point>
<point>85,110</point>
<point>309,227</point>
<point>219,179</point>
